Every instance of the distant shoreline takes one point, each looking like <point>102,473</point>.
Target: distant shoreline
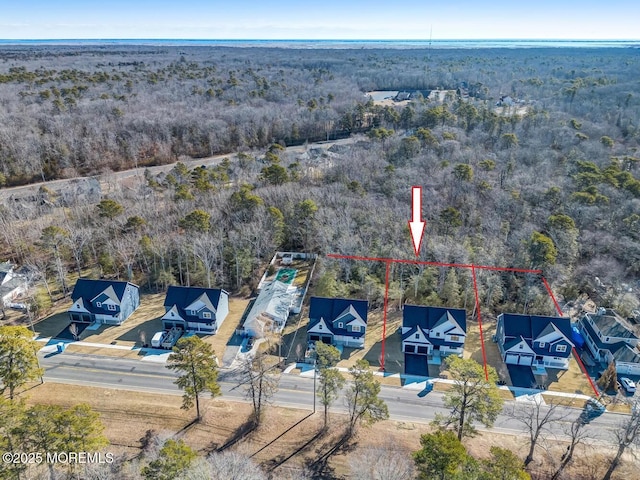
<point>337,43</point>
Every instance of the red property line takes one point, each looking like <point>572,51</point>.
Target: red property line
<point>384,312</point>
<point>484,354</point>
<point>575,353</point>
<point>388,261</point>
<point>433,264</point>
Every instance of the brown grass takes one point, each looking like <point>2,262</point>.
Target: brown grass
<point>219,341</point>
<point>128,416</point>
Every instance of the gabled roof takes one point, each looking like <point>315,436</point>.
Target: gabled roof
<point>88,290</point>
<point>428,318</point>
<point>409,335</point>
<point>332,308</point>
<point>182,297</point>
<point>107,294</point>
<point>611,325</point>
<point>531,327</point>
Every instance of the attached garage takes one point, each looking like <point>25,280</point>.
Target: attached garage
<point>512,359</point>
<point>525,360</point>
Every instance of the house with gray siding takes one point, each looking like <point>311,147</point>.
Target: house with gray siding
<point>109,302</point>
<point>195,309</point>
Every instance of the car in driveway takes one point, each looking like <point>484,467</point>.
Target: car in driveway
<point>628,385</point>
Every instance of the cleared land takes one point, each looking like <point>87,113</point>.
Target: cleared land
<point>289,437</point>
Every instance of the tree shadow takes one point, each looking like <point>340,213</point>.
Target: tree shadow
<point>319,467</point>
<point>239,434</point>
<point>279,460</point>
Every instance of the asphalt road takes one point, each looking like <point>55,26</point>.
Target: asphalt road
<point>294,391</point>
<point>121,175</point>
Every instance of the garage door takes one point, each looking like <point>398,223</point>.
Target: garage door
<point>512,359</point>
<point>526,360</point>
<point>326,340</point>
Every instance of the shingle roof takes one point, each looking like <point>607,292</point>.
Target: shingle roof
<point>88,289</point>
<point>612,326</point>
<point>331,308</point>
<point>531,327</point>
<point>612,347</point>
<point>428,318</point>
<point>184,296</point>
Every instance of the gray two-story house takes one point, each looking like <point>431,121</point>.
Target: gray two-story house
<point>109,302</point>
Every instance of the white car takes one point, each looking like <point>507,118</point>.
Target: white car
<point>628,385</point>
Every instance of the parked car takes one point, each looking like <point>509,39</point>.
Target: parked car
<point>592,409</point>
<point>628,385</point>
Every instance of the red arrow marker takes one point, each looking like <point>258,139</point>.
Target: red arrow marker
<point>416,224</point>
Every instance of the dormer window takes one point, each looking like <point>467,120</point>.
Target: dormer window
<point>340,325</point>
<point>206,314</point>
<point>356,328</point>
<point>542,344</point>
<point>192,312</point>
<point>99,304</point>
<point>111,307</point>
<point>561,348</point>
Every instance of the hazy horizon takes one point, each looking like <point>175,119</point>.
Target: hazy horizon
<point>327,20</point>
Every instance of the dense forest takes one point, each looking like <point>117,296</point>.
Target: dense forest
<point>551,184</point>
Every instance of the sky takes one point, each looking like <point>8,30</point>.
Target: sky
<point>328,19</point>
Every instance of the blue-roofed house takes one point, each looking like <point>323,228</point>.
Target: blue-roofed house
<point>195,309</point>
<point>429,334</point>
<point>610,338</point>
<point>337,321</point>
<point>103,301</point>
<point>534,340</point>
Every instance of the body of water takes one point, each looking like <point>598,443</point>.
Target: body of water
<point>344,44</point>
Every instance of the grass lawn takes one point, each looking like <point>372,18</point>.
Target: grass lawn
<point>237,307</point>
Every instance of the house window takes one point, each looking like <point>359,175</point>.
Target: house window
<point>319,327</point>
<point>192,312</point>
<point>206,314</point>
<point>340,324</point>
<point>356,328</point>
<point>455,338</point>
<point>437,334</point>
<point>111,307</point>
<point>417,335</point>
<point>99,304</point>
<point>521,346</point>
<point>542,344</point>
<point>561,348</point>
<point>607,339</point>
<point>410,348</point>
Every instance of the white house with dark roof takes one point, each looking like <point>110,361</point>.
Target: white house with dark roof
<point>430,334</point>
<point>534,340</point>
<point>609,338</point>
<point>337,321</point>
<point>195,309</point>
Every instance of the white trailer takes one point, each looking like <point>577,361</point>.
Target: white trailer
<point>158,338</point>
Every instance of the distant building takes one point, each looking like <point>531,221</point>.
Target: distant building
<point>12,284</point>
<point>337,321</point>
<point>195,309</point>
<point>103,301</point>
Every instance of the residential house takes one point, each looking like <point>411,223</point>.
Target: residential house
<point>12,284</point>
<point>534,340</point>
<point>270,311</point>
<point>430,334</point>
<point>103,301</point>
<point>610,338</point>
<point>195,309</point>
<point>337,321</point>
